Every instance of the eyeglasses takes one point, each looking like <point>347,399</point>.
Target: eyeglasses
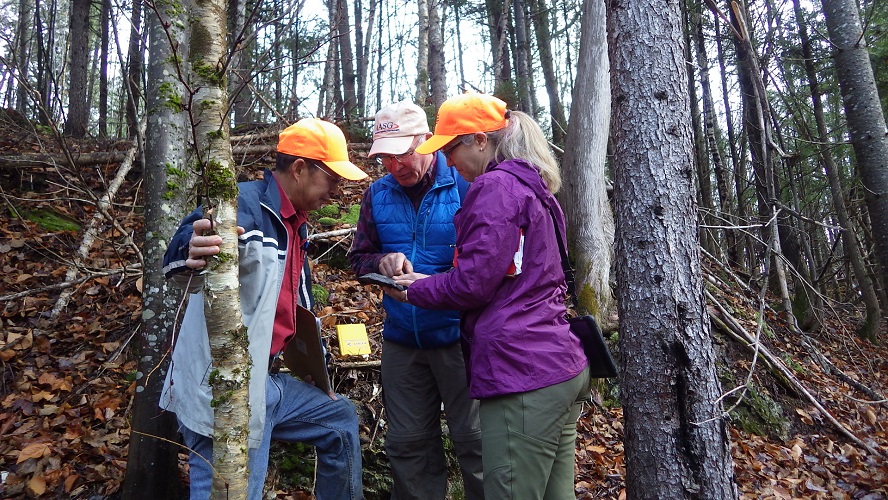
<point>401,158</point>
<point>335,179</point>
<point>448,150</point>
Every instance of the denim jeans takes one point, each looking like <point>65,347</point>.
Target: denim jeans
<point>295,411</point>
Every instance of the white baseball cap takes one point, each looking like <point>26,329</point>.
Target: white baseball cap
<point>396,126</point>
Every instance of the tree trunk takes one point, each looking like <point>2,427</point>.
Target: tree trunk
<point>347,61</point>
<point>870,328</point>
<point>379,65</point>
<point>863,111</point>
<point>103,68</point>
<point>228,346</point>
<point>547,61</point>
<point>676,438</point>
<point>153,453</point>
<point>522,70</point>
<point>422,54</point>
<point>757,124</point>
<point>239,73</point>
<point>590,228</point>
<point>701,160</point>
<point>134,71</point>
<point>713,136</point>
<point>326,98</point>
<point>78,60</point>
<point>743,249</point>
<point>437,73</point>
<point>23,39</point>
<point>498,17</point>
<point>362,49</point>
<point>459,49</point>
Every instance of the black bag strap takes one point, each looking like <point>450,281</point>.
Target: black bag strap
<point>562,248</point>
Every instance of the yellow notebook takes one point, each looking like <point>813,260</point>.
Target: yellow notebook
<point>353,339</point>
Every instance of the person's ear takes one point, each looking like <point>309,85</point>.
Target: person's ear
<point>298,168</point>
<point>480,139</point>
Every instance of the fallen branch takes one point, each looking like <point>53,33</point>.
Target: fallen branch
<point>782,371</point>
<point>331,234</point>
<point>357,364</point>
<point>44,160</point>
<point>92,229</point>
<point>829,367</point>
<point>136,270</point>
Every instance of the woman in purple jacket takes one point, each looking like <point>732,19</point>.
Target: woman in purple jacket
<point>523,363</point>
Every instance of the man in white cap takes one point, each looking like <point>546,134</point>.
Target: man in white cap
<point>406,225</point>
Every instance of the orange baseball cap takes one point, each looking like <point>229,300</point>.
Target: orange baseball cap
<point>465,114</point>
<point>319,140</point>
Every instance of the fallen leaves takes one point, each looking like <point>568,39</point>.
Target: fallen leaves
<point>34,450</point>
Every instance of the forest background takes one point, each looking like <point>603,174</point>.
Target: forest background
<point>726,171</point>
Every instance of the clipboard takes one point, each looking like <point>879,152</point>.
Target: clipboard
<point>304,353</point>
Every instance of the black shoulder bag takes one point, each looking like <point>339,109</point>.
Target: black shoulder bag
<point>601,363</point>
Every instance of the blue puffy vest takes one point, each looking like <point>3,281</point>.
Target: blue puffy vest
<point>427,238</point>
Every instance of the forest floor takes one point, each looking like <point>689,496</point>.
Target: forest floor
<point>66,386</point>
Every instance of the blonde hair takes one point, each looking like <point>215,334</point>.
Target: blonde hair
<point>522,139</point>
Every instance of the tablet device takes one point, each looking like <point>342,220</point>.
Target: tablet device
<point>379,279</point>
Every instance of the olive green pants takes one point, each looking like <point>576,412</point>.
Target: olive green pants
<point>528,441</point>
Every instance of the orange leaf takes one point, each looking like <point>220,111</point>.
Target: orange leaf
<point>870,417</point>
<point>69,482</point>
<point>805,417</point>
<point>33,450</point>
<point>42,395</point>
<point>37,485</point>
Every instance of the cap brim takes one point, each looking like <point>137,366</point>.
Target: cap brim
<point>391,145</point>
<point>346,170</point>
<point>434,143</point>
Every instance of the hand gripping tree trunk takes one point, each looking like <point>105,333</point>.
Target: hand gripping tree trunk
<point>863,111</point>
<point>230,372</point>
<point>584,195</point>
<point>676,442</point>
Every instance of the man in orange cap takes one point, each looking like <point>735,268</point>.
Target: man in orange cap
<point>312,161</point>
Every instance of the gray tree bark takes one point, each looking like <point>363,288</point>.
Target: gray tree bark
<point>347,57</point>
<point>522,69</point>
<point>437,73</point>
<point>590,228</point>
<point>498,17</point>
<point>239,70</point>
<point>713,135</point>
<point>547,62</point>
<point>153,453</point>
<point>757,125</point>
<point>22,38</point>
<point>78,59</point>
<point>103,67</point>
<point>134,70</point>
<point>870,328</point>
<point>863,112</point>
<point>422,53</point>
<point>701,159</point>
<point>676,439</point>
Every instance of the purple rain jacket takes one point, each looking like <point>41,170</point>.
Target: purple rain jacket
<point>514,335</point>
